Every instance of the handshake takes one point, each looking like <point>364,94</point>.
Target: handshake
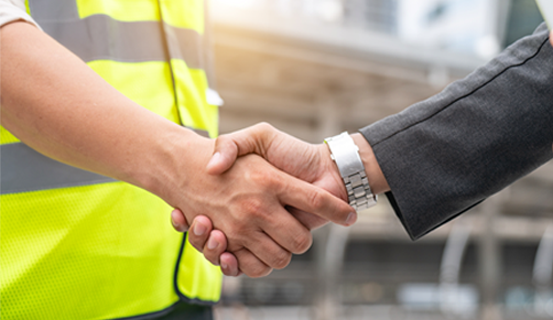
<point>259,196</point>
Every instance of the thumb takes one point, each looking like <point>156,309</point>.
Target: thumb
<point>230,146</point>
<point>225,153</point>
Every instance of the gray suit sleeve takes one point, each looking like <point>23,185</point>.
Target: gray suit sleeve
<point>445,155</point>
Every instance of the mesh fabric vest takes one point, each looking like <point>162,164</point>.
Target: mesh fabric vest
<point>77,245</point>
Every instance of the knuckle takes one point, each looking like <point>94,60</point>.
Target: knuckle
<point>253,206</point>
<point>302,243</point>
<point>259,271</point>
<point>265,178</point>
<point>241,231</point>
<point>264,126</point>
<point>281,260</point>
<point>237,233</point>
<point>222,140</point>
<point>258,176</point>
<point>265,130</point>
<point>269,181</point>
<point>317,200</point>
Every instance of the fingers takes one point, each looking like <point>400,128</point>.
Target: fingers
<point>250,265</point>
<point>308,198</point>
<point>266,250</point>
<point>215,246</point>
<point>213,243</point>
<point>230,146</point>
<point>200,231</point>
<point>178,220</point>
<point>287,231</point>
<point>309,220</point>
<point>229,265</point>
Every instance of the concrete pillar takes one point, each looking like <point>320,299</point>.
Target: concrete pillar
<point>489,259</point>
<point>329,118</point>
<point>330,253</point>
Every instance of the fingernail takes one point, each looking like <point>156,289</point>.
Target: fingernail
<point>352,217</point>
<point>177,227</point>
<point>214,159</point>
<point>224,265</point>
<point>199,229</point>
<point>212,244</point>
<point>173,223</point>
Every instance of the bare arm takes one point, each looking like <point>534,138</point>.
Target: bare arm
<point>53,102</point>
<point>57,105</point>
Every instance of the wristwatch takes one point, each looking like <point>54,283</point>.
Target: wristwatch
<point>345,154</point>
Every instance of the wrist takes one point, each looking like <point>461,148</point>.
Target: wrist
<point>377,180</point>
<point>329,167</point>
<point>170,167</point>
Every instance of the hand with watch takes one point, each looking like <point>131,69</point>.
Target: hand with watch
<point>345,153</point>
<point>344,165</point>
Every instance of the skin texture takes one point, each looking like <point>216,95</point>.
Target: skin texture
<point>311,163</point>
<point>53,102</point>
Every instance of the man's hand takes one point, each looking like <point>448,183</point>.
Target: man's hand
<point>311,163</point>
<point>261,140</point>
<point>212,243</point>
<point>247,203</point>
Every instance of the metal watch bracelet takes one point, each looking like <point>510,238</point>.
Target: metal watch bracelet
<point>345,154</point>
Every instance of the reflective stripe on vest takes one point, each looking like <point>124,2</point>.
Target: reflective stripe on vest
<point>24,170</point>
<point>110,31</point>
<point>77,245</point>
<point>140,41</point>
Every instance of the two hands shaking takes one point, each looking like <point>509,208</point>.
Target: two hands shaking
<point>282,188</point>
<point>270,191</point>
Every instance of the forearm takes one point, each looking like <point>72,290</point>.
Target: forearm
<point>445,155</point>
<point>53,102</point>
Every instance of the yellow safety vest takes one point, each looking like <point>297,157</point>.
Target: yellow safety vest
<point>77,245</point>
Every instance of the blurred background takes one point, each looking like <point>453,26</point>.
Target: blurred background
<point>315,68</point>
